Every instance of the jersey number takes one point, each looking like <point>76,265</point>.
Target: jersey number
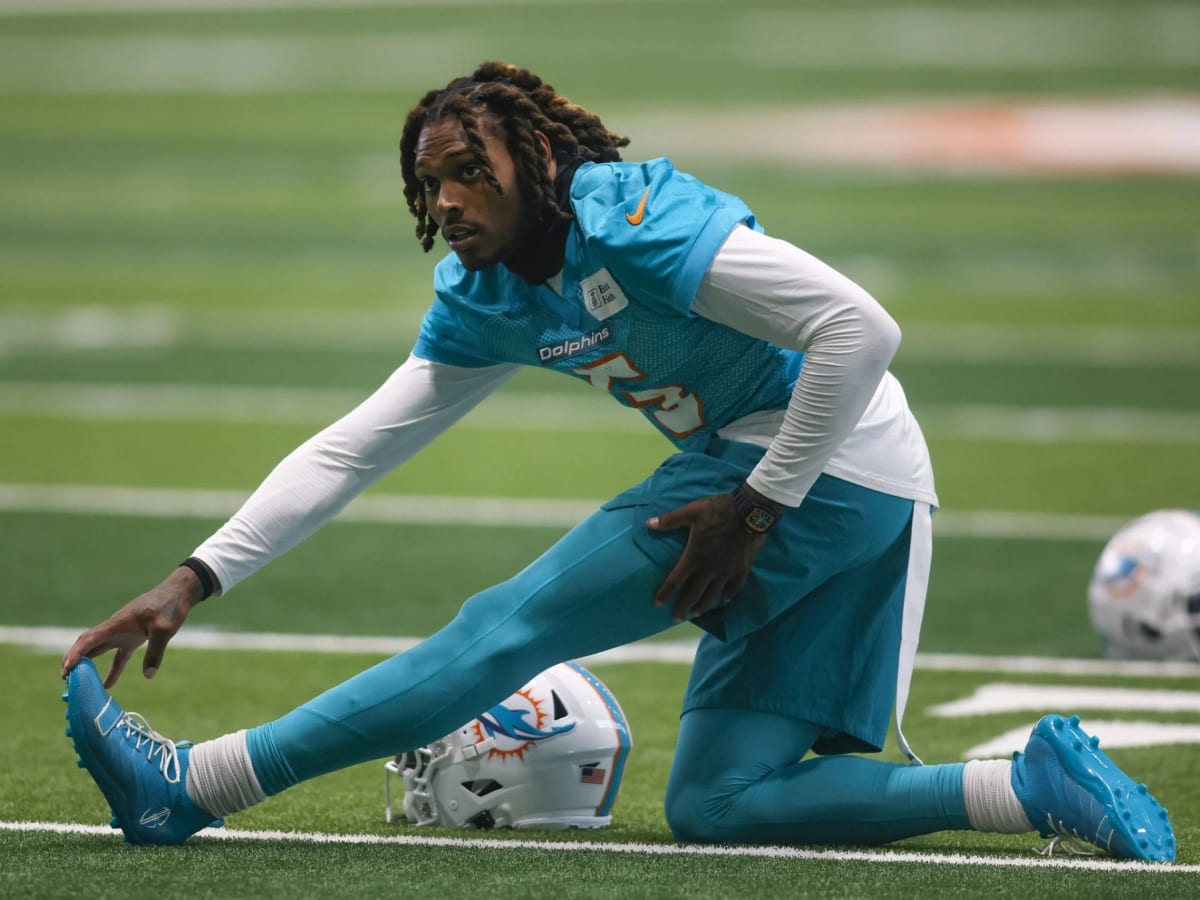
<point>676,410</point>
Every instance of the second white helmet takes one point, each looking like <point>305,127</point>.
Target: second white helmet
<point>1144,595</point>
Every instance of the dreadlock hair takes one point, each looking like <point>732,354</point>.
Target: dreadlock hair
<point>522,103</point>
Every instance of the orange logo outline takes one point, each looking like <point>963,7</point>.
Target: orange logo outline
<point>636,218</point>
<point>518,752</point>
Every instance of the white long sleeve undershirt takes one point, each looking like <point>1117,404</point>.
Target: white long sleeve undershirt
<point>319,478</point>
<point>761,286</point>
<point>769,289</point>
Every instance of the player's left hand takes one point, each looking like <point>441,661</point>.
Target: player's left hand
<point>716,559</point>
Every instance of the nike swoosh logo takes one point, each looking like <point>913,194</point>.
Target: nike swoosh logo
<point>636,218</point>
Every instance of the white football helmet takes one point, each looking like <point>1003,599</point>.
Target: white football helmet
<point>550,756</point>
<point>1144,597</point>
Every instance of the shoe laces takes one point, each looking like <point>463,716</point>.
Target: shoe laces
<point>144,737</point>
<point>1069,841</point>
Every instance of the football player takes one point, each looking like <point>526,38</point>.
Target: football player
<point>792,524</point>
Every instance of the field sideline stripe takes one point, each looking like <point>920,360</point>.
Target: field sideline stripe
<point>555,412</point>
<point>89,326</point>
<point>122,7</point>
<point>57,639</point>
<point>870,856</point>
<point>509,512</point>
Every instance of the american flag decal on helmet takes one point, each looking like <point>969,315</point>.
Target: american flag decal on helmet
<point>592,774</point>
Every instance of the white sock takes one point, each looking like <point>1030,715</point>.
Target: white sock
<point>992,804</point>
<point>220,776</point>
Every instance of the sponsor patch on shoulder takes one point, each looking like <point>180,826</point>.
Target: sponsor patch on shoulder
<point>602,296</point>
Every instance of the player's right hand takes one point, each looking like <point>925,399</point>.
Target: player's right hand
<point>716,559</point>
<point>152,619</point>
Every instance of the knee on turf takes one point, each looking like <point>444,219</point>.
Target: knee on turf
<point>695,812</point>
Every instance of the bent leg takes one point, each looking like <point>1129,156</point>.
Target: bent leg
<point>590,592</point>
<point>736,779</point>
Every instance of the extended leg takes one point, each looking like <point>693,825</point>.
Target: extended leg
<point>590,592</point>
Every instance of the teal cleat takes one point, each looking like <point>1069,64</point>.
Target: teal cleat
<point>1072,792</point>
<point>140,772</point>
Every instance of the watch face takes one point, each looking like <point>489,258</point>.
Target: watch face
<point>759,519</point>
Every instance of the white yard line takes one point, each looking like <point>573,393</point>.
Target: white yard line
<point>155,503</point>
<point>582,410</point>
<point>1060,425</point>
<point>508,844</point>
<point>1082,344</point>
<point>28,328</point>
<point>508,512</point>
<point>123,7</point>
<point>57,639</point>
<point>986,36</point>
<point>54,639</point>
<point>1113,733</point>
<point>1119,136</point>
<point>1058,137</point>
<point>1037,665</point>
<point>574,412</point>
<point>1004,697</point>
<point>224,64</point>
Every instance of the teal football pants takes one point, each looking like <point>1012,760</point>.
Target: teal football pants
<point>737,779</point>
<point>591,591</point>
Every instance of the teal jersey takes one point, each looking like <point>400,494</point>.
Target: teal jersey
<point>642,239</point>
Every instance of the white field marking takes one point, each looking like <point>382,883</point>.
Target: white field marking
<point>224,64</point>
<point>1097,345</point>
<point>1105,136</point>
<point>1161,35</point>
<point>572,412</point>
<point>26,328</point>
<point>577,411</point>
<point>156,503</point>
<point>1002,697</point>
<point>1019,37</point>
<point>120,7</point>
<point>1059,425</point>
<point>57,640</point>
<point>1037,665</point>
<point>799,853</point>
<point>1116,136</point>
<point>1112,734</point>
<point>1002,525</point>
<point>508,512</point>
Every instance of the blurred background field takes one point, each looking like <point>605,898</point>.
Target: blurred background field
<point>205,256</point>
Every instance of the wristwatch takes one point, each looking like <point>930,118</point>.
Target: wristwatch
<point>757,514</point>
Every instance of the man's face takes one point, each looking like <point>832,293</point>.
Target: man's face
<point>480,225</point>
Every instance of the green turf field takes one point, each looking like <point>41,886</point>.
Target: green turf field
<point>204,257</point>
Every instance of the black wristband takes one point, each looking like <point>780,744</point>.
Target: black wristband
<point>208,581</point>
<point>757,515</point>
